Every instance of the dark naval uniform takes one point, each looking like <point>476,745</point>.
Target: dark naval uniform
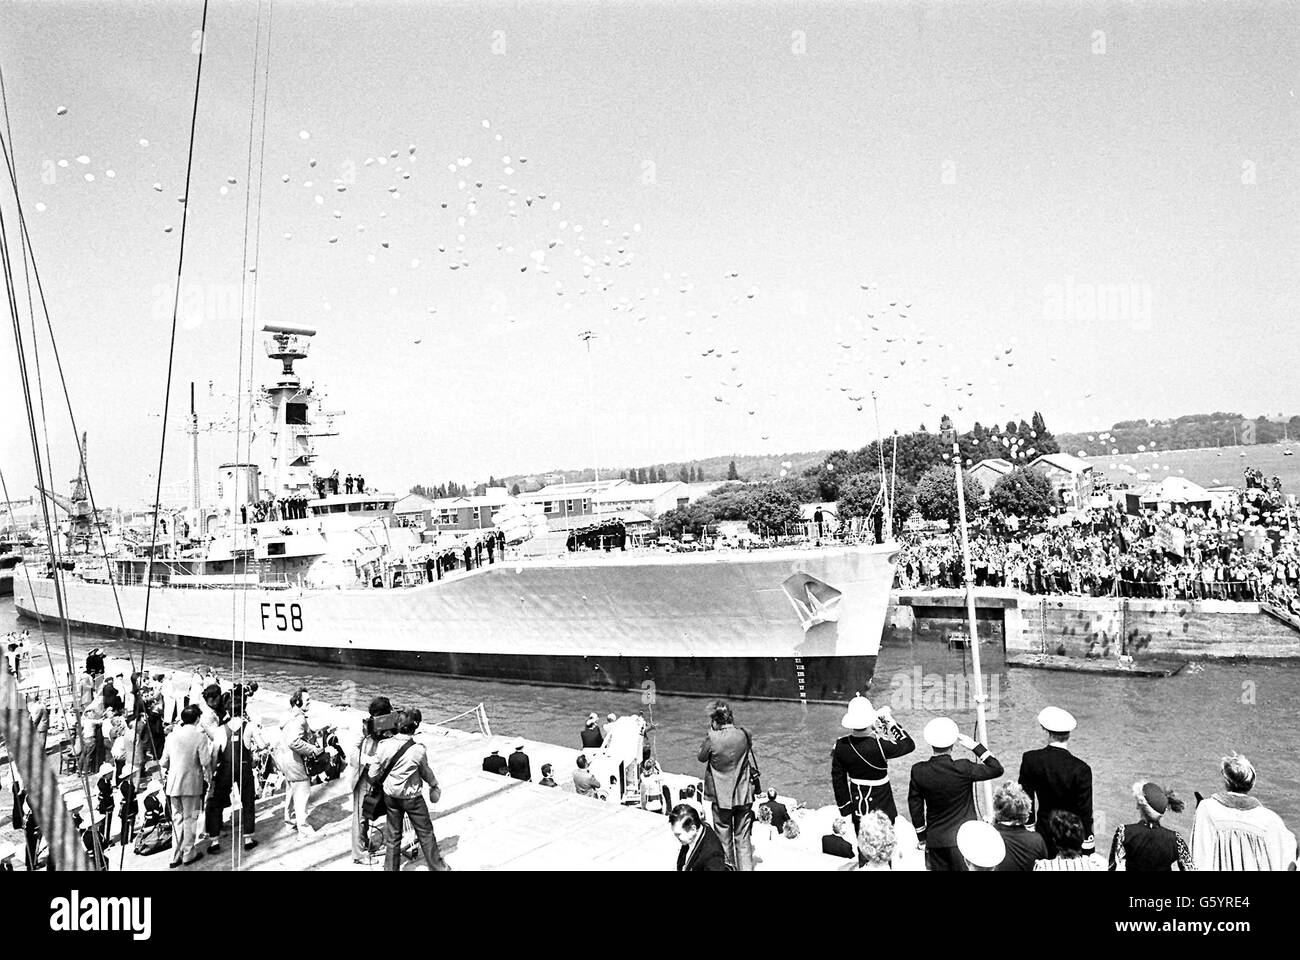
<point>860,773</point>
<point>1056,779</point>
<point>940,801</point>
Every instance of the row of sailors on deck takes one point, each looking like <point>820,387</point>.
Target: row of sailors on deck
<point>468,557</point>
<point>329,486</point>
<point>284,508</point>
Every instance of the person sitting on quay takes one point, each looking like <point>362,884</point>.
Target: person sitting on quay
<point>1146,845</point>
<point>1011,808</point>
<point>1068,835</point>
<point>1234,831</point>
<point>776,810</point>
<point>836,843</point>
<point>547,780</point>
<point>584,781</point>
<point>591,736</point>
<point>518,765</point>
<point>495,763</point>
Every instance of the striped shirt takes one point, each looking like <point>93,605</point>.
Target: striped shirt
<point>1091,862</point>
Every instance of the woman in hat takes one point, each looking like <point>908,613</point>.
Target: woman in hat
<point>1146,845</point>
<point>860,761</point>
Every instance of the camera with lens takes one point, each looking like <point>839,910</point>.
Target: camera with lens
<point>382,722</point>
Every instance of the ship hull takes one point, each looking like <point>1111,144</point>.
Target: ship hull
<point>695,625</point>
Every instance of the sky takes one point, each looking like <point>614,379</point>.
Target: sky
<point>764,212</point>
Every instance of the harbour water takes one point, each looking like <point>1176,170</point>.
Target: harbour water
<point>1170,730</point>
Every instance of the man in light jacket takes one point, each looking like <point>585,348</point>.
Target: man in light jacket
<point>186,760</point>
<point>404,764</point>
<point>295,745</point>
<point>727,782</point>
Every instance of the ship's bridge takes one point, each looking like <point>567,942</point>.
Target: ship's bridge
<point>376,504</point>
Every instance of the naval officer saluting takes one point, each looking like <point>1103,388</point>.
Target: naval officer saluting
<point>860,761</point>
<point>939,796</point>
<point>1056,779</point>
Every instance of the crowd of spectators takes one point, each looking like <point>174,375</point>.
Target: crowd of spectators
<point>1246,548</point>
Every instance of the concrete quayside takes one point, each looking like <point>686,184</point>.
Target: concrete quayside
<point>484,821</point>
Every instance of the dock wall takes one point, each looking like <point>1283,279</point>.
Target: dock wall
<point>1111,626</point>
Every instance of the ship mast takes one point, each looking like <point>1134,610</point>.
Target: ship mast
<point>291,432</point>
<point>194,445</point>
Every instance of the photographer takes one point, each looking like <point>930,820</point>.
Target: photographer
<point>374,729</point>
<point>296,744</point>
<point>235,742</point>
<point>402,766</point>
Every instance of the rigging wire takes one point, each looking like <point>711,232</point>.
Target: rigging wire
<point>40,621</point>
<point>171,345</point>
<point>239,638</point>
<point>58,360</point>
<point>31,271</point>
<point>12,302</point>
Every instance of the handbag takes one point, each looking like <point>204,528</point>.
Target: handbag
<point>751,761</point>
<point>153,837</point>
<point>373,804</point>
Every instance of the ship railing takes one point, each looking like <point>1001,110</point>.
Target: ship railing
<point>283,582</point>
<point>478,712</point>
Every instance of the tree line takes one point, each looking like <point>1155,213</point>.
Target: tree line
<point>918,470</point>
<point>1194,431</point>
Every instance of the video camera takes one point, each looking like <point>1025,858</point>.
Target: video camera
<point>381,727</point>
<point>382,720</point>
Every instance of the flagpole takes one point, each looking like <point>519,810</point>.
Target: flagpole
<point>888,507</point>
<point>981,728</point>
